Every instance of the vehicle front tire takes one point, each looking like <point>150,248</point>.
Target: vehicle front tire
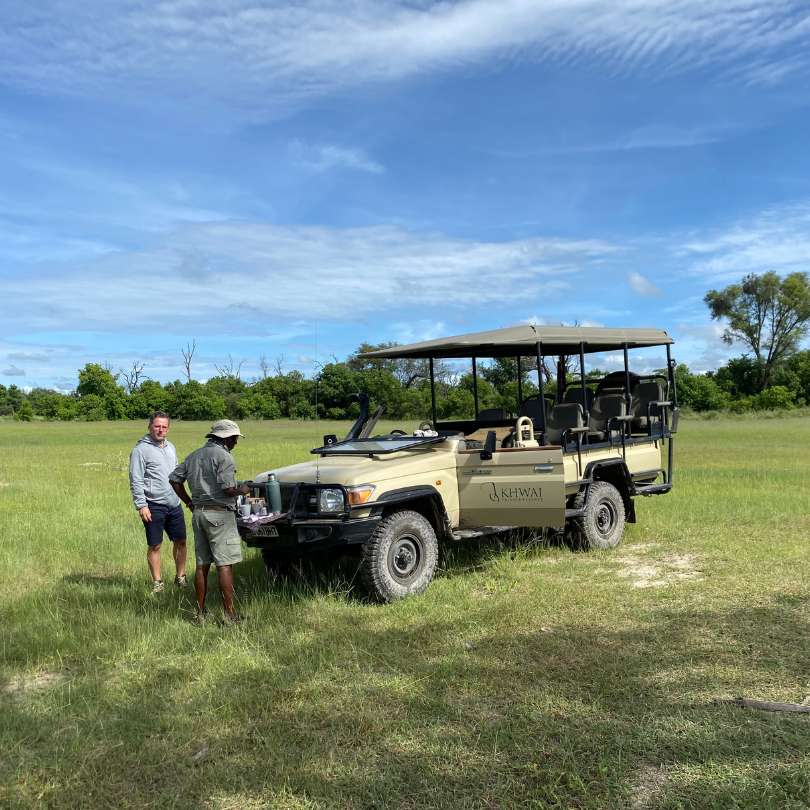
<point>602,525</point>
<point>400,558</point>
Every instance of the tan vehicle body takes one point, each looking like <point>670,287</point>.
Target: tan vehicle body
<point>573,464</point>
<point>522,487</point>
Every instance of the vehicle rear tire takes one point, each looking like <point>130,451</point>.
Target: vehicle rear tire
<point>602,525</point>
<point>400,558</point>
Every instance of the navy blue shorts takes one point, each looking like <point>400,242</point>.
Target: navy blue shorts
<point>165,518</point>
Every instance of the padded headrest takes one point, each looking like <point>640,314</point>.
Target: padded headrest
<point>609,405</point>
<point>566,415</point>
<point>650,391</point>
<point>574,394</point>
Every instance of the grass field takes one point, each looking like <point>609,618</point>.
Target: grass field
<point>523,677</point>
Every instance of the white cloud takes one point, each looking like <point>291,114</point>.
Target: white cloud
<point>258,57</point>
<point>703,344</point>
<point>777,239</point>
<point>324,158</point>
<point>642,285</point>
<point>242,277</point>
<point>416,331</point>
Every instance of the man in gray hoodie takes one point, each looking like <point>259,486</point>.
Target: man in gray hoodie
<point>150,463</point>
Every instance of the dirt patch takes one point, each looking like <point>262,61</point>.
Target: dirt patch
<point>668,570</point>
<point>647,787</point>
<point>21,685</point>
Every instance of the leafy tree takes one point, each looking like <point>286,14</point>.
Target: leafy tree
<point>25,413</point>
<point>408,371</point>
<point>768,314</point>
<point>740,377</point>
<point>97,381</point>
<point>12,399</point>
<point>261,406</point>
<point>777,397</point>
<point>91,408</point>
<point>336,383</point>
<point>45,402</point>
<point>795,375</point>
<point>194,401</point>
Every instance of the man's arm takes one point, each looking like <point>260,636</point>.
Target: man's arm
<point>137,468</point>
<point>180,488</point>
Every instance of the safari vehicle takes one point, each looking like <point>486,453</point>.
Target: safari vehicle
<point>572,463</point>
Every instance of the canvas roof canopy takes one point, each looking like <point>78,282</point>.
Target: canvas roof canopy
<point>522,341</point>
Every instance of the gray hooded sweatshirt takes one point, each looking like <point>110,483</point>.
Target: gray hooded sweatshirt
<point>149,468</point>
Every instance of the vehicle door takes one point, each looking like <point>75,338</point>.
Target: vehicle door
<point>523,487</point>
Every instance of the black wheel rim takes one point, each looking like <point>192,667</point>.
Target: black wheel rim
<point>605,518</point>
<point>405,558</point>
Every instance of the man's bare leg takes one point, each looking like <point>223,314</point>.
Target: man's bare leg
<point>179,552</point>
<point>153,559</point>
<point>225,576</point>
<point>201,586</point>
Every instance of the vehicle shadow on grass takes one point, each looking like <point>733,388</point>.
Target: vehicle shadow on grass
<point>358,712</point>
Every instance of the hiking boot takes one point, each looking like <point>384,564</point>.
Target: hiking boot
<point>230,619</point>
<point>158,586</point>
<point>181,581</point>
<point>199,617</point>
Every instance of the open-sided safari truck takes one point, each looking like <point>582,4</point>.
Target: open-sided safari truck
<point>573,462</point>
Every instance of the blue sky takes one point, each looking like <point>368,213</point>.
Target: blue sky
<point>290,180</point>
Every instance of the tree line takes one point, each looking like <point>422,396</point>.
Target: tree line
<point>767,314</point>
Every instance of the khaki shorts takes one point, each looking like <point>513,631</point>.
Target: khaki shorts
<point>216,538</point>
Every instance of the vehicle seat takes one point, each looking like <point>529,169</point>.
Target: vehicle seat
<point>531,407</point>
<point>561,418</point>
<point>604,409</point>
<point>614,383</point>
<point>574,394</point>
<point>642,408</point>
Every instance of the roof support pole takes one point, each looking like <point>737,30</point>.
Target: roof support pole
<point>561,368</point>
<point>519,382</point>
<point>671,377</point>
<point>539,348</point>
<point>626,378</point>
<point>432,394</point>
<point>475,387</point>
<point>586,413</point>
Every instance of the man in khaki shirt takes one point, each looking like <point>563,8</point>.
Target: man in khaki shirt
<point>211,475</point>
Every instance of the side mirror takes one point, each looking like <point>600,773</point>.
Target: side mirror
<point>489,446</point>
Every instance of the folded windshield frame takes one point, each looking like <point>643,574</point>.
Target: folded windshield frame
<point>376,446</point>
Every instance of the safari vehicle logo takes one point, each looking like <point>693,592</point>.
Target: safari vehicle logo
<point>515,494</point>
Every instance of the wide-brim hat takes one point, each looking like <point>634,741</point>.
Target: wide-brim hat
<point>223,429</point>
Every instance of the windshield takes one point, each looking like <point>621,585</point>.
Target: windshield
<point>377,445</point>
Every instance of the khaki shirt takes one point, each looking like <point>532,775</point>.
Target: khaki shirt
<point>208,471</point>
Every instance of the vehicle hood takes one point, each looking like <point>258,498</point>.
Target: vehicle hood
<point>355,470</point>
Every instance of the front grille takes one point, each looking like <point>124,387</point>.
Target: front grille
<point>287,491</point>
<point>306,503</point>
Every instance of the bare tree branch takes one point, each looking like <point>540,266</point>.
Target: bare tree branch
<point>264,366</point>
<point>278,365</point>
<point>133,377</point>
<point>231,369</point>
<point>188,355</point>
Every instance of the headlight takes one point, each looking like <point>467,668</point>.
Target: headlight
<point>330,500</point>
